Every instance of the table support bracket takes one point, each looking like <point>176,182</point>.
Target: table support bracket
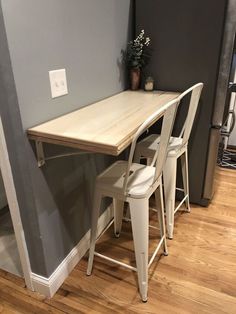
<point>41,159</point>
<point>40,153</point>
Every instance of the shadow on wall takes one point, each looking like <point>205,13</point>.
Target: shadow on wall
<point>64,199</point>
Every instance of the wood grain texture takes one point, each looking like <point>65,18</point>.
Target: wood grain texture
<point>198,276</point>
<point>106,126</point>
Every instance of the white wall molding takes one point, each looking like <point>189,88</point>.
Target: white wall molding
<point>49,286</point>
<point>10,190</point>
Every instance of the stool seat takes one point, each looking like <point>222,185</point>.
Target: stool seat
<point>150,143</point>
<point>139,182</point>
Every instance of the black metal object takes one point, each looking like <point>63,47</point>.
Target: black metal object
<point>224,132</point>
<point>232,87</point>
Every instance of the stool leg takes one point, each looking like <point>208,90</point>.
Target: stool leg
<point>169,174</point>
<point>161,218</point>
<point>139,210</point>
<point>93,234</point>
<point>184,166</point>
<point>118,206</point>
<point>127,215</point>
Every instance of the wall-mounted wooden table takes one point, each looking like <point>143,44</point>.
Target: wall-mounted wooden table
<point>104,127</point>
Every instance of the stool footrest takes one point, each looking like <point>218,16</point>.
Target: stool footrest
<point>128,266</point>
<point>150,226</point>
<point>183,200</point>
<point>115,261</point>
<point>179,189</point>
<point>154,210</point>
<point>105,229</point>
<point>156,250</point>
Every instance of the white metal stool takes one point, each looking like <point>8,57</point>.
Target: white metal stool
<point>178,147</point>
<point>135,183</point>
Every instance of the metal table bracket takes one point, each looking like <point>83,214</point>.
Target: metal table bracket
<point>40,153</point>
<point>41,159</point>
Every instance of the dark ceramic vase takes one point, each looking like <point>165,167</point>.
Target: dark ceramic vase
<point>135,75</point>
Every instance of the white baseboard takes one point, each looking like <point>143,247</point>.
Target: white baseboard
<point>49,286</point>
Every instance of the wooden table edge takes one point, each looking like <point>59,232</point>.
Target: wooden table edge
<point>98,148</point>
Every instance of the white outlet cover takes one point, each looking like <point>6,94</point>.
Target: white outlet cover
<point>58,83</point>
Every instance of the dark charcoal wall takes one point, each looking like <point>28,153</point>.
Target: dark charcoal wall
<point>186,40</point>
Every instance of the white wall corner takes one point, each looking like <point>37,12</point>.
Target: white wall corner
<point>49,286</point>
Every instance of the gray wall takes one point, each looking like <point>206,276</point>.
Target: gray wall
<point>85,38</point>
<point>17,150</point>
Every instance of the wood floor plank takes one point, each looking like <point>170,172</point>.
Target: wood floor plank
<point>198,276</point>
<point>24,300</point>
<point>7,308</point>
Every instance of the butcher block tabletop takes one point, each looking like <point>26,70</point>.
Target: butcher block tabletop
<point>106,126</point>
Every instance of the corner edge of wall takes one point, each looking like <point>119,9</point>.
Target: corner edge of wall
<point>49,286</point>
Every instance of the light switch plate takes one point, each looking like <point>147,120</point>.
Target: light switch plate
<point>58,83</point>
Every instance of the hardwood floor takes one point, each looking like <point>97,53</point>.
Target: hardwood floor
<point>198,276</point>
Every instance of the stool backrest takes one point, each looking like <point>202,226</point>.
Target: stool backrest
<point>195,91</point>
<point>168,112</point>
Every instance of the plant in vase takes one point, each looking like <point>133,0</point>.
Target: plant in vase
<point>136,57</point>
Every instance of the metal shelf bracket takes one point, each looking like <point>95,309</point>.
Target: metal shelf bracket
<point>41,159</point>
<point>40,153</point>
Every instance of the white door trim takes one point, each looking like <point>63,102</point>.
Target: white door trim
<point>14,208</point>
